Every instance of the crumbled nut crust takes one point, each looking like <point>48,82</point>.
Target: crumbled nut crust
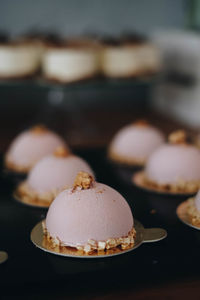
<point>178,137</point>
<point>11,166</point>
<point>130,162</point>
<point>193,213</point>
<point>83,180</point>
<point>92,245</point>
<point>28,196</point>
<point>179,187</point>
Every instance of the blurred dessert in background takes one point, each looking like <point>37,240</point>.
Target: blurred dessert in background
<point>89,217</point>
<point>77,58</point>
<point>51,175</point>
<point>19,58</point>
<point>71,60</point>
<point>180,51</point>
<point>129,56</point>
<point>134,143</point>
<point>30,146</point>
<point>173,167</point>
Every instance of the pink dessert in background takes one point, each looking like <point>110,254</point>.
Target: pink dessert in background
<point>56,172</point>
<point>32,145</point>
<point>173,162</point>
<point>98,213</point>
<point>136,141</point>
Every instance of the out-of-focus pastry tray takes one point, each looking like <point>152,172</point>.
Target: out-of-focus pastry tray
<point>27,267</point>
<point>98,82</point>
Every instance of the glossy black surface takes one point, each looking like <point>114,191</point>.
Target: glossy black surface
<point>29,268</point>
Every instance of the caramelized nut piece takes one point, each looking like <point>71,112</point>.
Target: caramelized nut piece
<point>61,152</point>
<point>101,245</point>
<point>39,129</point>
<point>141,123</point>
<point>178,137</point>
<point>83,180</point>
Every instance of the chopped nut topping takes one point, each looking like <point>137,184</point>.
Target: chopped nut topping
<point>141,123</point>
<point>179,186</point>
<point>39,129</point>
<point>101,245</point>
<point>125,242</point>
<point>61,152</point>
<point>83,180</point>
<point>178,137</point>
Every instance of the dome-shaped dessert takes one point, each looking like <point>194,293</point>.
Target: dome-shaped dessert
<point>174,166</point>
<point>134,143</point>
<point>90,216</point>
<point>30,146</point>
<point>50,176</point>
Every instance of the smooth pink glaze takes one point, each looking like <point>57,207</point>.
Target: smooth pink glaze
<point>28,147</point>
<point>197,200</point>
<point>98,213</point>
<point>170,163</point>
<point>136,141</point>
<point>53,172</point>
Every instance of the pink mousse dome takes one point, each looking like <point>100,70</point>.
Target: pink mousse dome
<point>29,147</point>
<point>98,213</point>
<point>197,200</point>
<point>136,141</point>
<point>173,162</point>
<point>55,173</point>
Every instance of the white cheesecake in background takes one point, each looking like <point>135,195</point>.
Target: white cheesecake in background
<point>129,57</point>
<point>71,60</point>
<point>19,58</point>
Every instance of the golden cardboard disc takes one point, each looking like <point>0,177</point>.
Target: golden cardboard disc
<point>181,212</point>
<point>3,256</point>
<point>138,181</point>
<point>142,236</point>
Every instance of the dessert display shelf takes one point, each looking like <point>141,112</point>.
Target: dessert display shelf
<point>97,83</point>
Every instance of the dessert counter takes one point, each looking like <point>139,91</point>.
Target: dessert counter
<point>168,265</point>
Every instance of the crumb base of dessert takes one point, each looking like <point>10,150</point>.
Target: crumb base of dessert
<point>24,76</point>
<point>124,161</point>
<point>11,166</point>
<point>180,187</point>
<point>130,75</point>
<point>193,213</point>
<point>26,195</point>
<point>123,243</point>
<point>58,80</point>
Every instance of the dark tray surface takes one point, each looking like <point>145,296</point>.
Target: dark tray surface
<point>176,257</point>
